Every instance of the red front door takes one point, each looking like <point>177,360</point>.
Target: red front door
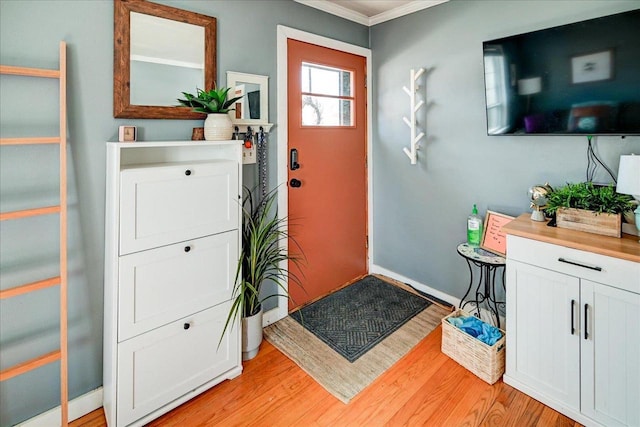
<point>327,167</point>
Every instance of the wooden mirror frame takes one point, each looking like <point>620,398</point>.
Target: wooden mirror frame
<point>122,108</point>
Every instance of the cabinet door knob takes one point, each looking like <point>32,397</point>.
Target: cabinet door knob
<point>187,172</point>
<point>187,326</point>
<point>187,248</point>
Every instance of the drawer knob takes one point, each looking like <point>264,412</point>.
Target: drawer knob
<point>187,248</point>
<point>187,172</point>
<point>187,326</point>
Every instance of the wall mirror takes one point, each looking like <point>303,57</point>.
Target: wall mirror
<point>253,108</point>
<point>160,52</point>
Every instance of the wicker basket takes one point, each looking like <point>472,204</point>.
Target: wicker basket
<point>484,361</point>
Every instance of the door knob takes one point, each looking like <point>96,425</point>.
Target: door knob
<point>295,183</point>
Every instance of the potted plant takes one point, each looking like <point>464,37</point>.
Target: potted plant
<point>213,103</point>
<point>261,259</point>
<point>587,207</point>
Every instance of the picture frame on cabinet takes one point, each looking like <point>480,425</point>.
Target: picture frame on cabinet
<point>493,238</point>
<point>127,134</point>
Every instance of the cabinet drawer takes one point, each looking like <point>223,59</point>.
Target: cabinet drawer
<point>164,364</point>
<point>161,205</point>
<point>161,285</point>
<point>616,272</point>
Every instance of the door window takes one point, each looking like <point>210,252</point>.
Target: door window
<point>327,96</point>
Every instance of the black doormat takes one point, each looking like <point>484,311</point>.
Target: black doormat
<point>356,318</point>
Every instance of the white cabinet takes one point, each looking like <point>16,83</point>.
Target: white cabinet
<point>166,203</point>
<point>543,353</point>
<point>172,249</point>
<point>573,331</point>
<point>611,355</point>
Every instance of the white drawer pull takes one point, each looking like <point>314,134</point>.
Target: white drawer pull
<point>590,267</point>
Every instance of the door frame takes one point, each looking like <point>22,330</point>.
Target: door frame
<point>283,34</point>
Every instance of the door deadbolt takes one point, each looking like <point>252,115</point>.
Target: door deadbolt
<point>293,159</point>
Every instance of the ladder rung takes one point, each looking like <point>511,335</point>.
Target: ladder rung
<point>30,141</point>
<point>29,212</point>
<point>29,365</point>
<point>29,287</point>
<point>29,72</point>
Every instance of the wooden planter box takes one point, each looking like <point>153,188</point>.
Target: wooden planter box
<point>599,223</point>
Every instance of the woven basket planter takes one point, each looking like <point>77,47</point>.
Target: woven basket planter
<point>484,361</point>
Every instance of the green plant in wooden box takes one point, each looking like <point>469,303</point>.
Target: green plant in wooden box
<point>587,207</point>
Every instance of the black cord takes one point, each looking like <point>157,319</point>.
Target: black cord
<point>593,160</point>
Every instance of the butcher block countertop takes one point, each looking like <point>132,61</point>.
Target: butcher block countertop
<point>627,247</point>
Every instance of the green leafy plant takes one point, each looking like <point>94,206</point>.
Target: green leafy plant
<point>587,196</point>
<point>209,101</point>
<point>262,255</point>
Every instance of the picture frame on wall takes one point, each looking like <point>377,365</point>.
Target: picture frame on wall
<point>493,238</point>
<point>592,67</point>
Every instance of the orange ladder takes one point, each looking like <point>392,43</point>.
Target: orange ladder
<point>61,209</point>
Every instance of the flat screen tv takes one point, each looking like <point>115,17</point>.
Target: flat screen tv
<point>580,78</point>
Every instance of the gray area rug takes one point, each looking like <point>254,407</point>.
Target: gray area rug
<point>337,375</point>
<point>356,318</point>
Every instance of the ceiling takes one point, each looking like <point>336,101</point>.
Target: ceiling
<point>370,12</point>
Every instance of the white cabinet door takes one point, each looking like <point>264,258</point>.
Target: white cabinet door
<point>161,205</point>
<point>160,366</point>
<point>158,286</point>
<point>543,343</point>
<point>610,355</point>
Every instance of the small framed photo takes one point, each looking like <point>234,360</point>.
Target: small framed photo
<point>127,134</point>
<point>493,238</point>
<point>592,67</point>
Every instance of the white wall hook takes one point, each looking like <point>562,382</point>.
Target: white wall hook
<point>412,151</point>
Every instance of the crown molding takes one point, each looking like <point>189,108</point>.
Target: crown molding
<point>336,9</point>
<point>406,9</point>
<point>343,12</point>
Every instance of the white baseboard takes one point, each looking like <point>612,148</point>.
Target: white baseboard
<point>271,316</point>
<point>376,269</point>
<point>78,407</point>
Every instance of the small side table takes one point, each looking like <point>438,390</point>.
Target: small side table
<point>489,264</point>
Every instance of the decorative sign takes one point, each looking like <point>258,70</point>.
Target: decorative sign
<point>127,134</point>
<point>493,238</point>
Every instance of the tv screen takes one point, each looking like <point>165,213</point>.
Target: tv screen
<point>581,78</point>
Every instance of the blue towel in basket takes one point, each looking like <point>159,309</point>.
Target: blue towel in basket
<point>475,327</point>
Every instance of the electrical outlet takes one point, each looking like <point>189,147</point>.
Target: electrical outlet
<point>248,154</point>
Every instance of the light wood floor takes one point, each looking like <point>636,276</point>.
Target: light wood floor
<point>425,388</point>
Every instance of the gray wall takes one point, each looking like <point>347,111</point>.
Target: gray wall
<point>30,33</point>
<point>420,211</point>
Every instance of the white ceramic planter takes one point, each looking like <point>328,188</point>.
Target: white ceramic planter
<point>251,335</point>
<point>218,127</point>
